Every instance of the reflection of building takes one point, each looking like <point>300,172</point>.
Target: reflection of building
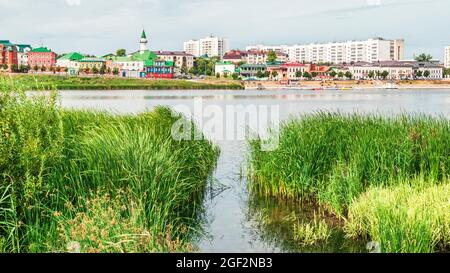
<point>209,46</point>
<point>8,53</point>
<point>41,56</point>
<point>447,57</point>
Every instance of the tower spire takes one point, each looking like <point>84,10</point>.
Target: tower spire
<point>144,42</point>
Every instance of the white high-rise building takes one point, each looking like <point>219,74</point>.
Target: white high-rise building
<point>447,57</point>
<point>211,46</point>
<point>371,50</point>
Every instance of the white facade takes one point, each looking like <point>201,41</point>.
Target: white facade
<point>66,63</point>
<point>211,46</point>
<point>397,70</point>
<point>280,48</point>
<point>447,57</point>
<point>224,68</point>
<point>371,50</point>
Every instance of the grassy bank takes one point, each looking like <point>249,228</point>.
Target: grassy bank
<point>107,83</point>
<point>333,159</point>
<point>94,182</point>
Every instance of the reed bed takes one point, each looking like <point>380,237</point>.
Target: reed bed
<point>386,177</point>
<point>404,218</point>
<point>94,182</point>
<point>333,158</point>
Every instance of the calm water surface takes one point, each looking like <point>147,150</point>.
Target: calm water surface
<point>236,221</point>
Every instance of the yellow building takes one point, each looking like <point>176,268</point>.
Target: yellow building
<point>91,63</point>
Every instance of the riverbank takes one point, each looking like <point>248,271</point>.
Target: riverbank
<point>349,84</point>
<point>367,171</point>
<point>47,82</point>
<point>85,181</point>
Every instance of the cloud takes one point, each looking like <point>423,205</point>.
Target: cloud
<point>73,2</point>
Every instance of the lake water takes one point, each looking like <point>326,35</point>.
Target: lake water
<point>236,221</point>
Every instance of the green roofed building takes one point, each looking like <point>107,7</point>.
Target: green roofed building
<point>71,62</point>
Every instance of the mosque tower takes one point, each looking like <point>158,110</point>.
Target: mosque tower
<point>144,42</point>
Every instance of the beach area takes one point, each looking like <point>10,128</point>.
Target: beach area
<point>348,84</point>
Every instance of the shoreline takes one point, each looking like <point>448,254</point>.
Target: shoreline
<point>349,85</point>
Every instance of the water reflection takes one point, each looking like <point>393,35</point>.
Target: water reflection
<point>274,222</point>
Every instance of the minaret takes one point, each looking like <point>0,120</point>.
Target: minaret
<point>144,42</point>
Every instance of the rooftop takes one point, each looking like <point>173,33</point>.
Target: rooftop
<point>41,50</point>
<point>74,56</point>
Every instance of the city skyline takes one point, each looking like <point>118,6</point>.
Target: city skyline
<point>92,27</point>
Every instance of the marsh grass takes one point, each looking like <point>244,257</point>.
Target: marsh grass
<point>333,158</point>
<point>107,83</point>
<point>311,233</point>
<point>411,217</point>
<point>65,170</point>
<point>386,177</point>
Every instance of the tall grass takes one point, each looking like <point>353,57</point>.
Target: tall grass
<point>108,183</point>
<point>333,158</point>
<point>403,218</point>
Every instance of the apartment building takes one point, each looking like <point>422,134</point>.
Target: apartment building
<point>447,57</point>
<point>371,50</point>
<point>261,57</point>
<point>209,46</point>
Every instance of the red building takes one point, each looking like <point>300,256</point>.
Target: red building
<point>8,53</point>
<point>42,56</point>
<point>159,69</point>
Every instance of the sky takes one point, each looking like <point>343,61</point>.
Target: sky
<point>102,26</point>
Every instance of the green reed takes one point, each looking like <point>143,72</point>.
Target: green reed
<point>108,183</point>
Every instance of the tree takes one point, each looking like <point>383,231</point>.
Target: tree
<point>35,68</point>
<point>348,75</point>
<point>116,71</point>
<point>307,75</point>
<point>426,73</point>
<point>103,70</point>
<point>384,74</point>
<point>235,76</point>
<point>341,74</point>
<point>14,68</point>
<point>423,58</point>
<point>121,52</point>
<point>332,73</point>
<point>419,74</point>
<point>298,74</point>
<point>314,74</point>
<point>108,70</point>
<point>95,70</point>
<point>43,68</point>
<point>5,66</point>
<point>218,75</point>
<point>87,70</point>
<point>66,69</point>
<point>447,72</point>
<point>274,74</point>
<point>271,56</point>
<point>371,75</point>
<point>23,68</point>
<point>266,74</point>
<point>260,74</point>
<point>184,68</point>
